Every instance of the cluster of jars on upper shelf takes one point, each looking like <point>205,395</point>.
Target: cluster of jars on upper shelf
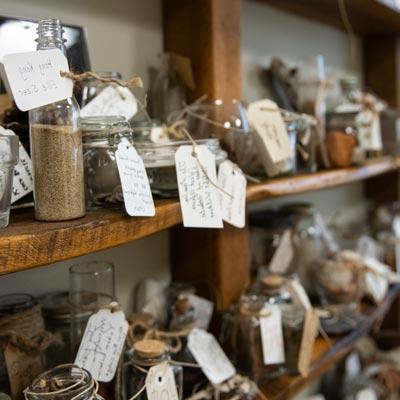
<point>308,277</point>
<point>73,147</point>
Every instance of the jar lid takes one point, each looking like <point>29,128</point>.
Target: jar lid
<point>273,281</point>
<point>150,348</point>
<point>17,302</point>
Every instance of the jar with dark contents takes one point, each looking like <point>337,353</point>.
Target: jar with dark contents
<point>65,382</point>
<point>145,354</point>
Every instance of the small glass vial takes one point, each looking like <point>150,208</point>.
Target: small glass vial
<point>56,146</point>
<point>144,355</point>
<point>65,382</point>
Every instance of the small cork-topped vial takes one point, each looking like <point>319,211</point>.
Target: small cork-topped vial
<point>272,287</point>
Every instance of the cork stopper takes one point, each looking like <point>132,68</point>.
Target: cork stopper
<point>272,282</point>
<point>148,348</point>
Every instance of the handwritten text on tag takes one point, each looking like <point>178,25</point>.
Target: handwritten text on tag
<point>199,199</point>
<point>22,181</point>
<point>210,356</point>
<point>233,182</point>
<point>112,101</point>
<point>135,183</point>
<point>272,336</point>
<point>102,344</point>
<point>160,383</point>
<point>35,79</point>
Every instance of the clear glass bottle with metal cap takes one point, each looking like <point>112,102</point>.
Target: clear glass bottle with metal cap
<point>101,136</point>
<point>65,382</point>
<point>56,146</point>
<point>145,354</point>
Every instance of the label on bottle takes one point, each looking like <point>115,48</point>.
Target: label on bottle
<point>197,177</point>
<point>272,336</point>
<point>160,383</point>
<point>283,255</point>
<point>203,310</point>
<point>102,344</point>
<point>233,198</point>
<point>209,355</point>
<point>136,190</point>
<point>268,123</point>
<point>113,100</point>
<point>34,78</point>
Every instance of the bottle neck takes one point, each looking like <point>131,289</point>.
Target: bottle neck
<point>50,35</point>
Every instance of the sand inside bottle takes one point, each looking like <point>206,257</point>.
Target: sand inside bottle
<point>58,172</point>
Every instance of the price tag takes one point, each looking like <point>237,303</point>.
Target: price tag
<point>272,336</point>
<point>233,182</point>
<point>135,183</point>
<point>267,120</point>
<point>203,310</point>
<point>283,256</point>
<point>34,78</point>
<point>113,100</point>
<point>199,199</point>
<point>160,383</point>
<point>210,356</point>
<point>102,344</point>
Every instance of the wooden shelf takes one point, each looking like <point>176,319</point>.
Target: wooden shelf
<point>320,180</point>
<point>27,243</point>
<point>366,16</point>
<point>324,356</point>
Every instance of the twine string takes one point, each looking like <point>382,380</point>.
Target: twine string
<point>133,82</point>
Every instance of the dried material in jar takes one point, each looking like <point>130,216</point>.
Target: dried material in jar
<point>58,172</point>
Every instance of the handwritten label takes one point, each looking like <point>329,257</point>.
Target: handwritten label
<point>135,183</point>
<point>272,336</point>
<point>160,383</point>
<point>283,255</point>
<point>34,78</point>
<point>203,310</point>
<point>233,202</point>
<point>102,344</point>
<point>199,199</point>
<point>22,181</point>
<point>267,120</point>
<point>113,100</point>
<point>210,356</point>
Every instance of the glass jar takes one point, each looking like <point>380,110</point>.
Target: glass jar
<point>101,136</point>
<point>8,160</point>
<point>159,160</point>
<point>56,147</point>
<point>93,87</point>
<point>91,286</point>
<point>144,355</point>
<point>65,382</point>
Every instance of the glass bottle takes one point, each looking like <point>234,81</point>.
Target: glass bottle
<point>144,355</point>
<point>91,286</point>
<point>65,382</point>
<point>93,87</point>
<point>56,146</point>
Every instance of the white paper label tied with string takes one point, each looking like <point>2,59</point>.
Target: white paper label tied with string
<point>102,344</point>
<point>199,199</point>
<point>160,383</point>
<point>233,196</point>
<point>34,78</point>
<point>135,183</point>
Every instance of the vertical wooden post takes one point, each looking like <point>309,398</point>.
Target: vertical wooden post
<point>208,32</point>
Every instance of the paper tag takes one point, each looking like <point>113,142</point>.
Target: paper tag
<point>22,181</point>
<point>35,79</point>
<point>113,100</point>
<point>367,247</point>
<point>199,199</point>
<point>283,255</point>
<point>21,369</point>
<point>267,120</point>
<point>160,383</point>
<point>203,310</point>
<point>326,234</point>
<point>272,336</point>
<point>135,183</point>
<point>210,356</point>
<point>369,130</point>
<point>310,329</point>
<point>298,293</point>
<point>233,182</point>
<point>381,269</point>
<point>366,394</point>
<point>102,344</point>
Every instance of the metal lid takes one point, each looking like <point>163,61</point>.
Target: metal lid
<point>14,303</point>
